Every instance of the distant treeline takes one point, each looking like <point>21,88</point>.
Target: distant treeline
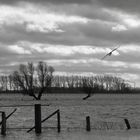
<point>75,84</point>
<point>62,90</point>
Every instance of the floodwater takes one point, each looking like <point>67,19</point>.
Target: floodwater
<point>51,135</point>
<point>107,113</point>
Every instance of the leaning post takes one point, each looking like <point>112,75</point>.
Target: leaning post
<point>127,124</point>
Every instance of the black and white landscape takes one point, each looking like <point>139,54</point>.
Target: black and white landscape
<point>80,57</point>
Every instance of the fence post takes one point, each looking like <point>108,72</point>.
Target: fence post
<point>37,118</point>
<point>127,124</point>
<point>3,126</point>
<point>58,121</point>
<point>88,123</point>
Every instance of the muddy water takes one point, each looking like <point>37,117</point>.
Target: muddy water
<point>106,111</point>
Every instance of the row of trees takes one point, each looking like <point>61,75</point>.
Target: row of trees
<point>34,80</point>
<point>103,82</point>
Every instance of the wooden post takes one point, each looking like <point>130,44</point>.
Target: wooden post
<point>58,121</point>
<point>88,123</point>
<point>37,118</point>
<point>127,124</point>
<point>3,126</point>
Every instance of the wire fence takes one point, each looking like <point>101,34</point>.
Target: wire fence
<point>24,119</point>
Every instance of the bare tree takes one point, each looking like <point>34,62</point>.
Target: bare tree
<point>4,82</point>
<point>44,77</point>
<point>32,80</point>
<point>88,85</point>
<point>10,82</point>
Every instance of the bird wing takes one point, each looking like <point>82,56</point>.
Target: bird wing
<point>104,56</point>
<point>115,49</point>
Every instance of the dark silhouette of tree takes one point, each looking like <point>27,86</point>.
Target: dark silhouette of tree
<point>87,85</point>
<point>34,80</point>
<point>10,82</point>
<point>105,83</point>
<point>44,77</point>
<point>4,82</point>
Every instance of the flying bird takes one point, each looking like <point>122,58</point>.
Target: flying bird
<point>110,53</point>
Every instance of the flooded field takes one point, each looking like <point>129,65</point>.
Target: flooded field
<point>107,113</point>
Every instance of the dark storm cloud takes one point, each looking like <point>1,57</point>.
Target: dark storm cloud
<point>124,5</point>
<point>103,32</point>
<point>71,36</point>
<point>47,1</point>
<point>93,34</point>
<point>92,11</point>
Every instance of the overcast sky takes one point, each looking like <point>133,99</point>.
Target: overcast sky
<point>72,35</point>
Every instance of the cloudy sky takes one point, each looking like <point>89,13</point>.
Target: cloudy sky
<point>72,36</point>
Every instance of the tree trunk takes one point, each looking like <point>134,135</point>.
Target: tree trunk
<point>40,93</point>
<point>31,93</point>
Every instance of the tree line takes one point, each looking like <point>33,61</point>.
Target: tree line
<point>34,80</point>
